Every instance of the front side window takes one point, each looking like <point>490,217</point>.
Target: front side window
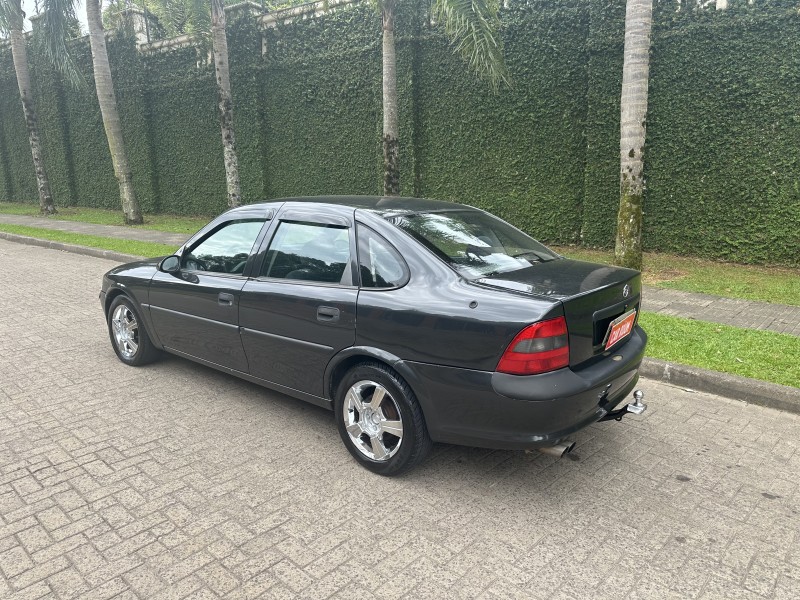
<point>379,263</point>
<point>473,242</point>
<point>226,250</point>
<point>309,252</point>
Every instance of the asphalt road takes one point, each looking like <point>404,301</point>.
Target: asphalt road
<point>175,481</point>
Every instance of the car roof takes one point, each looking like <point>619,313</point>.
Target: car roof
<point>382,205</point>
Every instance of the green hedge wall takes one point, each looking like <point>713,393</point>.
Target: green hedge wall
<point>603,88</point>
<point>724,161</point>
<point>322,106</point>
<point>520,152</point>
<point>16,167</point>
<point>722,164</point>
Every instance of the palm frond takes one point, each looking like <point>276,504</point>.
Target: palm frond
<point>179,17</point>
<point>58,14</point>
<point>199,15</point>
<point>473,28</point>
<point>11,16</point>
<point>160,9</point>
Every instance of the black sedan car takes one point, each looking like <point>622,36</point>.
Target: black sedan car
<point>416,321</point>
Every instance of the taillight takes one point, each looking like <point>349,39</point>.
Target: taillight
<point>538,348</point>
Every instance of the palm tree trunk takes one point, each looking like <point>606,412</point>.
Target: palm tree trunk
<point>391,146</point>
<point>20,56</point>
<point>225,102</point>
<point>633,112</point>
<point>108,109</point>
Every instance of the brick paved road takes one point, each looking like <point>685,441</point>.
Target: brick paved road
<point>175,481</point>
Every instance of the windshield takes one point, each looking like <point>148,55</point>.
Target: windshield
<point>475,243</point>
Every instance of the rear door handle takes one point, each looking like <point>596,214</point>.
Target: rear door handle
<point>327,314</point>
<point>225,299</point>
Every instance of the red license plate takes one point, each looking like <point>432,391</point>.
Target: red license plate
<point>620,328</point>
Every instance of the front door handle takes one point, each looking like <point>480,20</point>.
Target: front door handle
<point>225,299</point>
<point>327,314</point>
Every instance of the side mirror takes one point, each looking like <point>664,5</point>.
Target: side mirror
<point>171,264</point>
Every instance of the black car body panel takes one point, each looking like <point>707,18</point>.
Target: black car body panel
<point>285,339</point>
<point>592,296</point>
<point>133,280</point>
<point>189,317</point>
<point>443,333</point>
<point>439,318</point>
<point>462,407</point>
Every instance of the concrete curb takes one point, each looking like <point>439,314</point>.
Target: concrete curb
<point>772,395</point>
<point>753,391</point>
<point>75,249</point>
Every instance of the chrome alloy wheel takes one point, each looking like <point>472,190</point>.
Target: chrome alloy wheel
<point>126,331</point>
<point>372,420</point>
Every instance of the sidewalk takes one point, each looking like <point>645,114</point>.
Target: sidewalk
<point>703,307</point>
<point>114,231</point>
<point>728,311</point>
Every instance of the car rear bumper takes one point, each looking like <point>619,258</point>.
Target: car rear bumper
<point>496,410</point>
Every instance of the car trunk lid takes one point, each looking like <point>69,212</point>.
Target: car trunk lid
<point>592,295</point>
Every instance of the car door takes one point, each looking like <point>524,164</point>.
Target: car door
<point>299,308</point>
<point>196,310</point>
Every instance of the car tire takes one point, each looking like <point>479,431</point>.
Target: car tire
<point>380,420</point>
<point>128,335</point>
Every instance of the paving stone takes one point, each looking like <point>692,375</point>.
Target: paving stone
<point>14,561</point>
<point>35,538</point>
<point>53,518</point>
<point>68,584</point>
<point>729,311</point>
<point>37,574</point>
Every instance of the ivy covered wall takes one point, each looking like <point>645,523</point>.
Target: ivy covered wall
<point>723,164</point>
<point>723,145</point>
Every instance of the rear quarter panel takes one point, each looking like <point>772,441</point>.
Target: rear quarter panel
<point>431,318</point>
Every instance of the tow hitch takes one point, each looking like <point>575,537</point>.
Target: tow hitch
<point>637,407</point>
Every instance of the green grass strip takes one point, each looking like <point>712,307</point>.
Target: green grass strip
<point>743,283</point>
<point>780,285</point>
<point>101,216</point>
<point>136,248</point>
<point>761,355</point>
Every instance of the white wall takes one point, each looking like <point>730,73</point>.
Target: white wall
<point>29,6</point>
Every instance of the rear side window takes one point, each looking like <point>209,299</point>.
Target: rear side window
<point>226,250</point>
<point>380,265</point>
<point>309,252</point>
<point>474,243</point>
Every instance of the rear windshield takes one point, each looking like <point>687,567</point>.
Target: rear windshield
<point>474,243</point>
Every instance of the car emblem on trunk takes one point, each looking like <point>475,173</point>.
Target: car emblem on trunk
<point>626,291</point>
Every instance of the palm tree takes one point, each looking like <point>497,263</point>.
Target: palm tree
<point>179,17</point>
<point>56,16</point>
<point>108,109</point>
<point>472,27</point>
<point>391,144</point>
<point>633,112</point>
<point>225,102</point>
<point>11,22</point>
